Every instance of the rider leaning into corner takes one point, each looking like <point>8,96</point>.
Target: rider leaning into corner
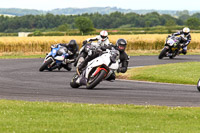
<point>104,43</point>
<point>185,39</point>
<point>72,49</point>
<point>124,58</point>
<point>84,57</point>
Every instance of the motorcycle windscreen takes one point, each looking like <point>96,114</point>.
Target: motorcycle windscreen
<point>170,42</point>
<point>54,51</point>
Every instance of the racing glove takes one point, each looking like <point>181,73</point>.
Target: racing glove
<point>84,42</point>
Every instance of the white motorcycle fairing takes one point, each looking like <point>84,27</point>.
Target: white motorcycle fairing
<point>104,59</point>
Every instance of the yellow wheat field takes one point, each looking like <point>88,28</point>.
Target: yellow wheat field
<point>42,44</point>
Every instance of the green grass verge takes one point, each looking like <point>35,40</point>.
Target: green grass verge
<point>39,117</point>
<point>21,56</point>
<point>180,73</point>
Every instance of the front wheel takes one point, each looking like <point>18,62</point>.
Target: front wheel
<point>92,82</point>
<point>45,65</point>
<point>198,85</point>
<point>162,53</point>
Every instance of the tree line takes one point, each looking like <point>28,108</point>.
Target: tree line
<point>96,20</point>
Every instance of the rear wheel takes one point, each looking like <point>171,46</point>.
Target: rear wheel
<point>198,85</point>
<point>162,53</point>
<point>45,65</point>
<point>94,81</point>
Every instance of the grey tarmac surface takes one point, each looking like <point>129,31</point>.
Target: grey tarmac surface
<point>21,80</point>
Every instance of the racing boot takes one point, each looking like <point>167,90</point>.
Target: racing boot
<point>180,52</point>
<point>184,52</point>
<point>111,78</point>
<point>68,67</point>
<point>55,66</point>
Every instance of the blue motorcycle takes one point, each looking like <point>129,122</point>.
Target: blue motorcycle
<point>57,58</point>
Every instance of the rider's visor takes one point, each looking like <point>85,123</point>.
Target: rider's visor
<point>103,37</point>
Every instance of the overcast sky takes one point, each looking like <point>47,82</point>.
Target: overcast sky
<point>125,4</point>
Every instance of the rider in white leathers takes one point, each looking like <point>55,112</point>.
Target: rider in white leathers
<point>102,42</point>
<point>101,39</point>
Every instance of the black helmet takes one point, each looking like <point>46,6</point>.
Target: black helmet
<point>72,44</point>
<point>121,44</point>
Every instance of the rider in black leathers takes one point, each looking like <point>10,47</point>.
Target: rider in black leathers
<point>124,58</point>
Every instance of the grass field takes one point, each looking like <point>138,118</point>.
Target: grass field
<point>32,117</point>
<point>181,73</point>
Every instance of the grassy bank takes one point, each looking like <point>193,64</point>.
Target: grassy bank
<point>181,73</point>
<point>20,55</point>
<point>20,116</point>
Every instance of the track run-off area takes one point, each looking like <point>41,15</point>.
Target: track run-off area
<point>20,79</point>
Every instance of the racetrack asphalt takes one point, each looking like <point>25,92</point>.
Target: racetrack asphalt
<point>20,79</point>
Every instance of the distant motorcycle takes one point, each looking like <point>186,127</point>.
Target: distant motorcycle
<point>97,69</point>
<point>172,47</point>
<point>57,57</point>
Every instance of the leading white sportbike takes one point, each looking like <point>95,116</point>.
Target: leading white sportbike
<point>97,69</point>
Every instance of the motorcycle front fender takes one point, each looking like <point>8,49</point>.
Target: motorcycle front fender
<point>59,58</point>
<point>47,57</point>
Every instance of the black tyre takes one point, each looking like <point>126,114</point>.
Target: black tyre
<point>73,83</point>
<point>45,65</point>
<point>96,80</point>
<point>198,85</point>
<point>162,53</point>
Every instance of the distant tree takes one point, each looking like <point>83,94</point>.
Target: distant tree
<point>170,23</point>
<point>184,17</point>
<point>37,33</point>
<point>63,27</point>
<point>184,12</point>
<point>196,15</point>
<point>193,22</point>
<point>147,23</point>
<point>84,24</point>
<point>152,19</point>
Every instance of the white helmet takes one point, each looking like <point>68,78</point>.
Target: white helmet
<point>104,34</point>
<point>186,31</point>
